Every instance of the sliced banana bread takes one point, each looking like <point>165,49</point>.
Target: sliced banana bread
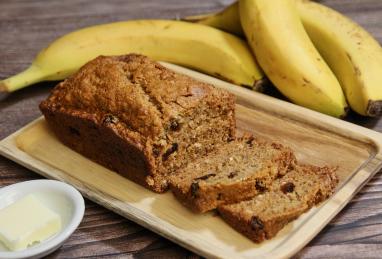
<point>139,118</point>
<point>234,172</point>
<point>266,214</point>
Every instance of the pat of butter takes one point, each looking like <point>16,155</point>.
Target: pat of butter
<point>26,222</point>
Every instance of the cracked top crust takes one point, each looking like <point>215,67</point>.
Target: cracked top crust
<point>139,92</point>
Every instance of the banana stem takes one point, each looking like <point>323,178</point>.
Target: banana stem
<point>28,77</point>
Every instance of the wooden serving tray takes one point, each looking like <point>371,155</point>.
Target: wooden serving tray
<point>316,138</point>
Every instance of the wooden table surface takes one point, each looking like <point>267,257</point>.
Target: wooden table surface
<point>26,26</point>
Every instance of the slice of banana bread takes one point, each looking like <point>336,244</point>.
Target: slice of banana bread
<point>139,118</point>
<point>266,214</point>
<point>234,172</point>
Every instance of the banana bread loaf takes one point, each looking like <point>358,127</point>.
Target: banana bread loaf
<point>266,214</point>
<point>234,172</point>
<point>138,118</point>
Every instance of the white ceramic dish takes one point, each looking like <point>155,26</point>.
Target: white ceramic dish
<point>59,197</point>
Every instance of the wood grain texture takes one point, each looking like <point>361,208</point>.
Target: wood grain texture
<point>26,26</point>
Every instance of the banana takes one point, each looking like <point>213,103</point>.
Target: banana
<point>288,57</point>
<point>352,53</point>
<point>192,45</point>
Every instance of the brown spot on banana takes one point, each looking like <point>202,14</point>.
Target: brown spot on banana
<point>306,81</point>
<point>349,57</point>
<point>357,71</point>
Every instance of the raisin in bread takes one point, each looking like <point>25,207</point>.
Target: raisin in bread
<point>266,214</point>
<point>139,118</point>
<point>235,171</point>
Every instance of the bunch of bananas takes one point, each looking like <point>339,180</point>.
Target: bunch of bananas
<point>315,56</point>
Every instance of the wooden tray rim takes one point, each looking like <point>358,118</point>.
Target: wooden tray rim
<point>293,243</point>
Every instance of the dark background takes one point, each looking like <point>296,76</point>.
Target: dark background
<point>26,26</point>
